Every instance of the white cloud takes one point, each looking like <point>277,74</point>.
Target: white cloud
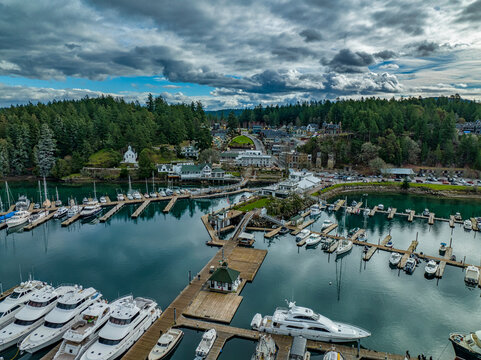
<point>390,66</point>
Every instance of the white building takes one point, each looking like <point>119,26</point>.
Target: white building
<point>224,279</point>
<point>253,158</point>
<point>130,156</point>
<point>190,152</point>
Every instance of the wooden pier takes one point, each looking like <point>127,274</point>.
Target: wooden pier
<point>442,264</point>
<point>357,234</point>
<point>71,220</point>
<point>6,293</point>
<point>339,204</point>
<point>273,232</point>
<point>474,222</point>
<point>171,203</point>
<point>303,226</point>
<point>39,222</point>
<point>368,255</point>
<point>431,219</point>
<point>392,213</point>
<point>333,247</point>
<point>410,250</point>
<point>329,229</point>
<point>141,208</point>
<point>356,208</point>
<point>411,216</point>
<point>451,221</point>
<point>111,212</point>
<point>373,211</point>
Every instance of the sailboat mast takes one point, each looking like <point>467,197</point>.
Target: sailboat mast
<point>95,192</point>
<point>8,193</point>
<point>153,183</point>
<point>146,187</point>
<point>56,191</point>
<point>45,188</point>
<point>130,185</point>
<point>40,192</point>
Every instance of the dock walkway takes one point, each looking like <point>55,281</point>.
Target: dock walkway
<point>171,204</point>
<point>71,220</point>
<point>141,209</point>
<point>368,255</point>
<point>329,229</point>
<point>373,211</point>
<point>39,221</point>
<point>392,213</point>
<point>339,204</point>
<point>111,212</point>
<point>410,250</point>
<point>442,264</point>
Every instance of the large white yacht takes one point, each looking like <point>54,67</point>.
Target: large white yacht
<point>130,318</point>
<point>60,319</point>
<point>91,208</point>
<point>14,302</point>
<point>301,321</point>
<point>31,316</point>
<point>84,331</point>
<point>20,218</point>
<point>303,234</point>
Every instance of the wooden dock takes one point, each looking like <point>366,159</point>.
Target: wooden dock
<point>368,255</point>
<point>339,204</point>
<point>357,234</point>
<point>411,216</point>
<point>356,208</point>
<point>306,214</point>
<point>442,264</point>
<point>141,208</point>
<point>171,203</point>
<point>329,229</point>
<point>431,219</point>
<point>6,293</point>
<point>451,221</point>
<point>39,222</point>
<point>273,232</point>
<point>71,220</point>
<point>303,226</point>
<point>333,247</point>
<point>111,212</point>
<point>391,214</point>
<point>474,222</point>
<point>410,250</point>
<point>214,239</point>
<point>373,211</point>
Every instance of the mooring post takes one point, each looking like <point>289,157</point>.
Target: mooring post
<point>175,315</point>
<point>190,276</point>
<point>358,347</point>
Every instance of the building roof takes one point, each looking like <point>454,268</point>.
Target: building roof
<point>218,170</point>
<point>225,274</point>
<point>295,218</point>
<point>398,171</point>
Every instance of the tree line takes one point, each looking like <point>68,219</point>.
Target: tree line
<point>37,138</point>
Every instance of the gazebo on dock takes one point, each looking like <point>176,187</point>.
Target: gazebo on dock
<point>224,279</point>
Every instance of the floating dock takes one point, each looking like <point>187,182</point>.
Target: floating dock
<point>442,264</point>
<point>171,203</point>
<point>410,250</point>
<point>431,219</point>
<point>356,208</point>
<point>71,220</point>
<point>391,214</point>
<point>141,208</point>
<point>411,216</point>
<point>339,204</point>
<point>373,211</point>
<point>451,221</point>
<point>111,212</point>
<point>302,226</point>
<point>368,255</point>
<point>273,232</point>
<point>329,229</point>
<point>333,247</point>
<point>474,222</point>
<point>357,234</point>
<point>39,222</point>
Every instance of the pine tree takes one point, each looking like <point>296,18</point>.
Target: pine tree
<point>4,163</point>
<point>45,151</point>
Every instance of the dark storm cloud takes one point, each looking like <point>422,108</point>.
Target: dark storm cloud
<point>471,14</point>
<point>311,35</point>
<point>408,17</point>
<point>347,61</point>
<point>385,54</point>
<point>423,48</point>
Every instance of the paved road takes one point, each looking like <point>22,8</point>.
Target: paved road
<point>258,144</point>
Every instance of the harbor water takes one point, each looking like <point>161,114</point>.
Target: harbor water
<point>152,257</point>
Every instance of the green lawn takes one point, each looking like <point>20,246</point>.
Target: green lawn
<point>259,203</point>
<point>242,140</point>
<point>105,158</point>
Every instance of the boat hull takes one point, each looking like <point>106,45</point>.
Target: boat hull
<point>464,353</point>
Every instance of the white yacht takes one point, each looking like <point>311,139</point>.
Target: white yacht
<point>315,210</point>
<point>130,318</point>
<point>343,247</point>
<point>313,239</point>
<point>153,194</point>
<point>23,203</point>
<point>471,277</point>
<point>468,225</point>
<point>162,193</point>
<point>74,210</point>
<point>14,302</point>
<point>61,212</point>
<point>431,268</point>
<point>303,234</point>
<point>130,196</point>
<point>265,348</point>
<point>395,258</point>
<point>31,316</point>
<point>84,330</point>
<point>120,197</point>
<point>333,355</point>
<point>92,208</point>
<point>326,224</point>
<point>380,207</point>
<point>137,195</point>
<point>166,344</point>
<point>20,218</point>
<point>60,319</point>
<point>366,212</point>
<point>37,216</point>
<point>301,321</point>
<point>103,200</point>
<point>205,344</point>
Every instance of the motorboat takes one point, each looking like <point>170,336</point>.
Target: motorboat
<point>426,212</point>
<point>302,321</point>
<point>327,243</point>
<point>162,193</point>
<point>313,240</point>
<point>74,210</point>
<point>20,218</point>
<point>442,249</point>
<point>394,259</point>
<point>60,319</point>
<point>166,344</point>
<point>23,203</point>
<point>315,210</point>
<point>130,196</point>
<point>120,197</point>
<point>205,344</point>
<point>284,230</point>
<point>36,206</point>
<point>146,195</point>
<point>467,346</point>
<point>303,234</point>
<point>330,208</point>
<point>137,195</point>
<point>362,237</point>
<point>129,319</point>
<point>84,330</point>
<point>92,208</point>
<point>326,223</point>
<point>366,212</point>
<point>333,355</point>
<point>103,200</point>
<point>431,268</point>
<point>31,316</point>
<point>343,247</point>
<point>351,232</point>
<point>265,348</point>
<point>153,194</point>
<point>353,203</point>
<point>410,265</point>
<point>389,244</point>
<point>380,207</point>
<point>61,212</point>
<point>85,201</point>
<point>37,216</point>
<point>468,225</point>
<point>407,211</point>
<point>471,277</point>
<point>458,217</point>
<point>14,302</point>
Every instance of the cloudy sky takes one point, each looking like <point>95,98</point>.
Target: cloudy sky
<point>238,53</point>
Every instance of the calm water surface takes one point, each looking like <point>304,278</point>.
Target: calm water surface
<point>151,256</point>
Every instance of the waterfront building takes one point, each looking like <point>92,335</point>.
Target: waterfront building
<point>253,158</point>
<point>130,156</point>
<point>398,172</point>
<point>224,279</point>
<point>294,160</point>
<point>190,152</point>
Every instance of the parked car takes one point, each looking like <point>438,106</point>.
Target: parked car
<point>445,182</point>
<point>419,181</point>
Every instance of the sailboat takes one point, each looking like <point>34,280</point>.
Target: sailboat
<point>153,194</point>
<point>146,195</point>
<point>47,203</point>
<point>58,202</point>
<point>129,193</point>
